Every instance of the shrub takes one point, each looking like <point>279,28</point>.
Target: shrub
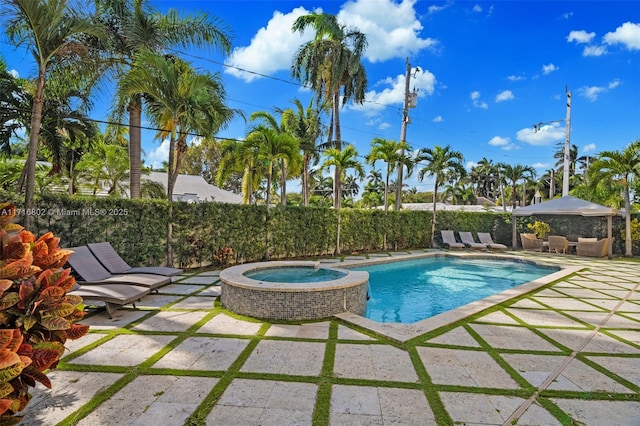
<point>540,228</point>
<point>36,314</point>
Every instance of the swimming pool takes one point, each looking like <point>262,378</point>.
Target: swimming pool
<point>413,290</point>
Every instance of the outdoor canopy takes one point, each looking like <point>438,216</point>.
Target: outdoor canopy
<point>568,206</point>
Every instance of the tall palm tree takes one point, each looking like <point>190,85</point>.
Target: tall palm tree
<point>390,152</point>
<point>331,64</point>
<point>621,167</point>
<point>53,34</point>
<point>271,147</point>
<point>514,174</point>
<point>304,124</point>
<point>444,164</point>
<point>133,27</point>
<point>179,101</point>
<point>342,161</point>
<point>573,157</point>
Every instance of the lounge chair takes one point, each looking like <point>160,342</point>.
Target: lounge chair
<point>485,238</point>
<point>449,239</point>
<point>588,247</point>
<point>531,242</point>
<point>112,295</point>
<point>467,240</point>
<point>558,243</point>
<point>115,264</point>
<point>90,271</point>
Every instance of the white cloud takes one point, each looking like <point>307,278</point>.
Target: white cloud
<point>392,28</point>
<point>272,47</point>
<point>434,9</point>
<point>548,69</point>
<point>393,92</point>
<point>592,92</point>
<point>516,77</point>
<point>384,125</point>
<point>475,97</point>
<point>477,8</point>
<point>159,155</point>
<point>589,148</point>
<point>594,51</point>
<point>470,165</point>
<point>540,165</point>
<point>505,95</point>
<point>499,141</point>
<point>546,135</point>
<point>567,15</point>
<point>580,36</point>
<point>14,73</point>
<point>438,119</point>
<point>627,34</point>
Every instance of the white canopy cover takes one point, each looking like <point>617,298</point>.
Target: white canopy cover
<point>567,205</point>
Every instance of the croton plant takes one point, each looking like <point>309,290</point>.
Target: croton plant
<point>37,316</point>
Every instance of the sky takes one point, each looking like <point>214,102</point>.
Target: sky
<point>484,72</point>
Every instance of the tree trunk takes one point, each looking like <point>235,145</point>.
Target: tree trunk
<point>283,187</point>
<point>305,180</point>
<point>135,147</point>
<point>32,150</point>
<point>170,185</point>
<point>628,244</point>
<point>433,218</point>
<point>337,187</point>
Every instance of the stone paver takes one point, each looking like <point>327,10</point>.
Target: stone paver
<point>224,324</point>
<point>180,288</point>
<point>373,362</point>
<point>195,302</point>
<point>70,390</point>
<point>318,330</point>
<point>125,350</point>
<point>170,321</point>
<point>464,368</point>
<point>203,353</point>
<point>264,402</point>
<point>456,337</point>
<point>617,413</point>
<point>291,358</point>
<point>346,333</point>
<point>152,400</point>
<point>512,338</point>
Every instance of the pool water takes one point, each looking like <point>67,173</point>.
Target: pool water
<point>413,290</point>
<point>294,274</point>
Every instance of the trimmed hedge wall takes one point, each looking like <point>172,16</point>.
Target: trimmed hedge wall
<point>201,231</point>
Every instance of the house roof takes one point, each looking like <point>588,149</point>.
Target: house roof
<point>568,206</point>
<point>195,189</point>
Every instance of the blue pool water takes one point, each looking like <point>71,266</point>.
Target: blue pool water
<point>412,290</point>
<point>294,274</point>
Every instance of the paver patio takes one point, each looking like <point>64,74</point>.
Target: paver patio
<point>568,352</point>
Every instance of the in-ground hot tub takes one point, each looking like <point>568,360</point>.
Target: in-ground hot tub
<point>293,290</point>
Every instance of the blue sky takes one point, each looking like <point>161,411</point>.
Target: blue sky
<point>488,72</point>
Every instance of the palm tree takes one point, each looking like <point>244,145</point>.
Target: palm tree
<point>271,147</point>
<point>515,174</point>
<point>52,32</point>
<point>444,164</point>
<point>304,124</point>
<point>331,63</point>
<point>573,157</point>
<point>179,101</point>
<point>390,152</point>
<point>134,27</point>
<point>342,161</point>
<point>620,167</point>
<point>15,99</point>
<point>288,163</point>
<point>241,157</point>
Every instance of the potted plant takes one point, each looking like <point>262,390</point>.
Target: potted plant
<point>37,316</point>
<point>541,229</point>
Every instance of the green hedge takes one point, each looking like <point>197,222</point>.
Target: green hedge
<point>138,228</point>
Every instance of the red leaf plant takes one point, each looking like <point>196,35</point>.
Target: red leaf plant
<point>37,316</point>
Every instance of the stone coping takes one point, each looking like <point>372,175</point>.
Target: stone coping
<point>235,276</point>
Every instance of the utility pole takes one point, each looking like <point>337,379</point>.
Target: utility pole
<point>567,143</point>
<point>409,102</point>
<point>567,146</point>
